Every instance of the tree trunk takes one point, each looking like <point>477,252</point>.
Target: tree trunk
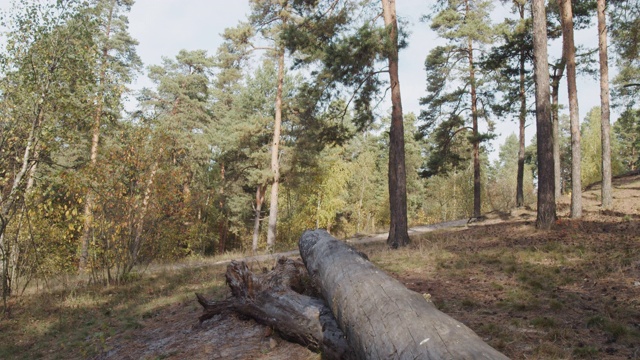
<point>95,140</point>
<point>8,203</point>
<point>222,222</point>
<point>398,229</point>
<point>261,189</point>
<point>607,199</point>
<point>275,165</point>
<point>477,188</point>
<point>546,213</point>
<point>142,213</point>
<point>523,119</point>
<point>277,299</point>
<point>558,73</point>
<point>568,44</point>
<point>380,317</point>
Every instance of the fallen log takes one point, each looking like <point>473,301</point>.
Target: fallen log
<point>279,299</point>
<point>380,317</point>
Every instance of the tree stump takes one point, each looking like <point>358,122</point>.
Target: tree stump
<point>277,299</point>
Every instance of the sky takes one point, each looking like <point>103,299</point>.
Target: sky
<point>164,27</point>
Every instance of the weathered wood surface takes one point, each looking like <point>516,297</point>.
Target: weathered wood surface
<point>277,299</point>
<point>380,317</point>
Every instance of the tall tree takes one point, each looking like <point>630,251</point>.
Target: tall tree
<point>607,198</point>
<point>349,51</point>
<point>43,89</point>
<point>466,25</point>
<point>568,44</point>
<point>398,231</point>
<point>582,12</point>
<point>546,213</point>
<point>116,63</point>
<point>511,61</point>
<point>269,19</point>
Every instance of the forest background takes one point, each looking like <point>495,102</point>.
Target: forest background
<point>181,167</point>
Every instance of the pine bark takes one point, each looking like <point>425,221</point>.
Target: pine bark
<point>607,197</point>
<point>261,189</point>
<point>566,15</point>
<point>546,213</point>
<point>398,230</point>
<point>558,73</point>
<point>222,222</point>
<point>477,184</point>
<point>522,119</point>
<point>275,164</point>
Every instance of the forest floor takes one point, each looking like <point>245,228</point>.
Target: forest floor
<point>572,292</point>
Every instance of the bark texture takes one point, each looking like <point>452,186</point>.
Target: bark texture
<point>275,162</point>
<point>276,299</point>
<point>398,231</point>
<point>260,191</point>
<point>546,213</point>
<point>607,198</point>
<point>568,44</point>
<point>522,117</point>
<point>380,317</point>
<point>558,73</point>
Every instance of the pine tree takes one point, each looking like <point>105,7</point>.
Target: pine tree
<point>607,198</point>
<point>546,182</point>
<point>346,54</point>
<point>116,63</point>
<point>466,25</point>
<point>566,14</point>
<point>511,60</point>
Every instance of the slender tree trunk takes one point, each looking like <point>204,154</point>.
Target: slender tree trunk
<point>137,241</point>
<point>275,165</point>
<point>568,44</point>
<point>360,203</point>
<point>523,120</point>
<point>558,73</point>
<point>607,199</point>
<point>261,189</point>
<point>398,231</point>
<point>546,213</point>
<point>95,140</point>
<point>477,188</point>
<point>555,119</point>
<point>222,223</point>
<point>7,203</point>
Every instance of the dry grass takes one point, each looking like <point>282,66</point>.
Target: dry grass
<point>569,293</point>
<point>78,322</point>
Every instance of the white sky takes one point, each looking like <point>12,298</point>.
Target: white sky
<point>164,27</point>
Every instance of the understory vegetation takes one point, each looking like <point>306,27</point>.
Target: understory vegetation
<point>568,293</point>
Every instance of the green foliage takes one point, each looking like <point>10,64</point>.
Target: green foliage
<point>591,149</point>
<point>46,89</point>
<point>502,181</point>
<point>626,131</point>
<point>625,20</point>
<point>453,82</point>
